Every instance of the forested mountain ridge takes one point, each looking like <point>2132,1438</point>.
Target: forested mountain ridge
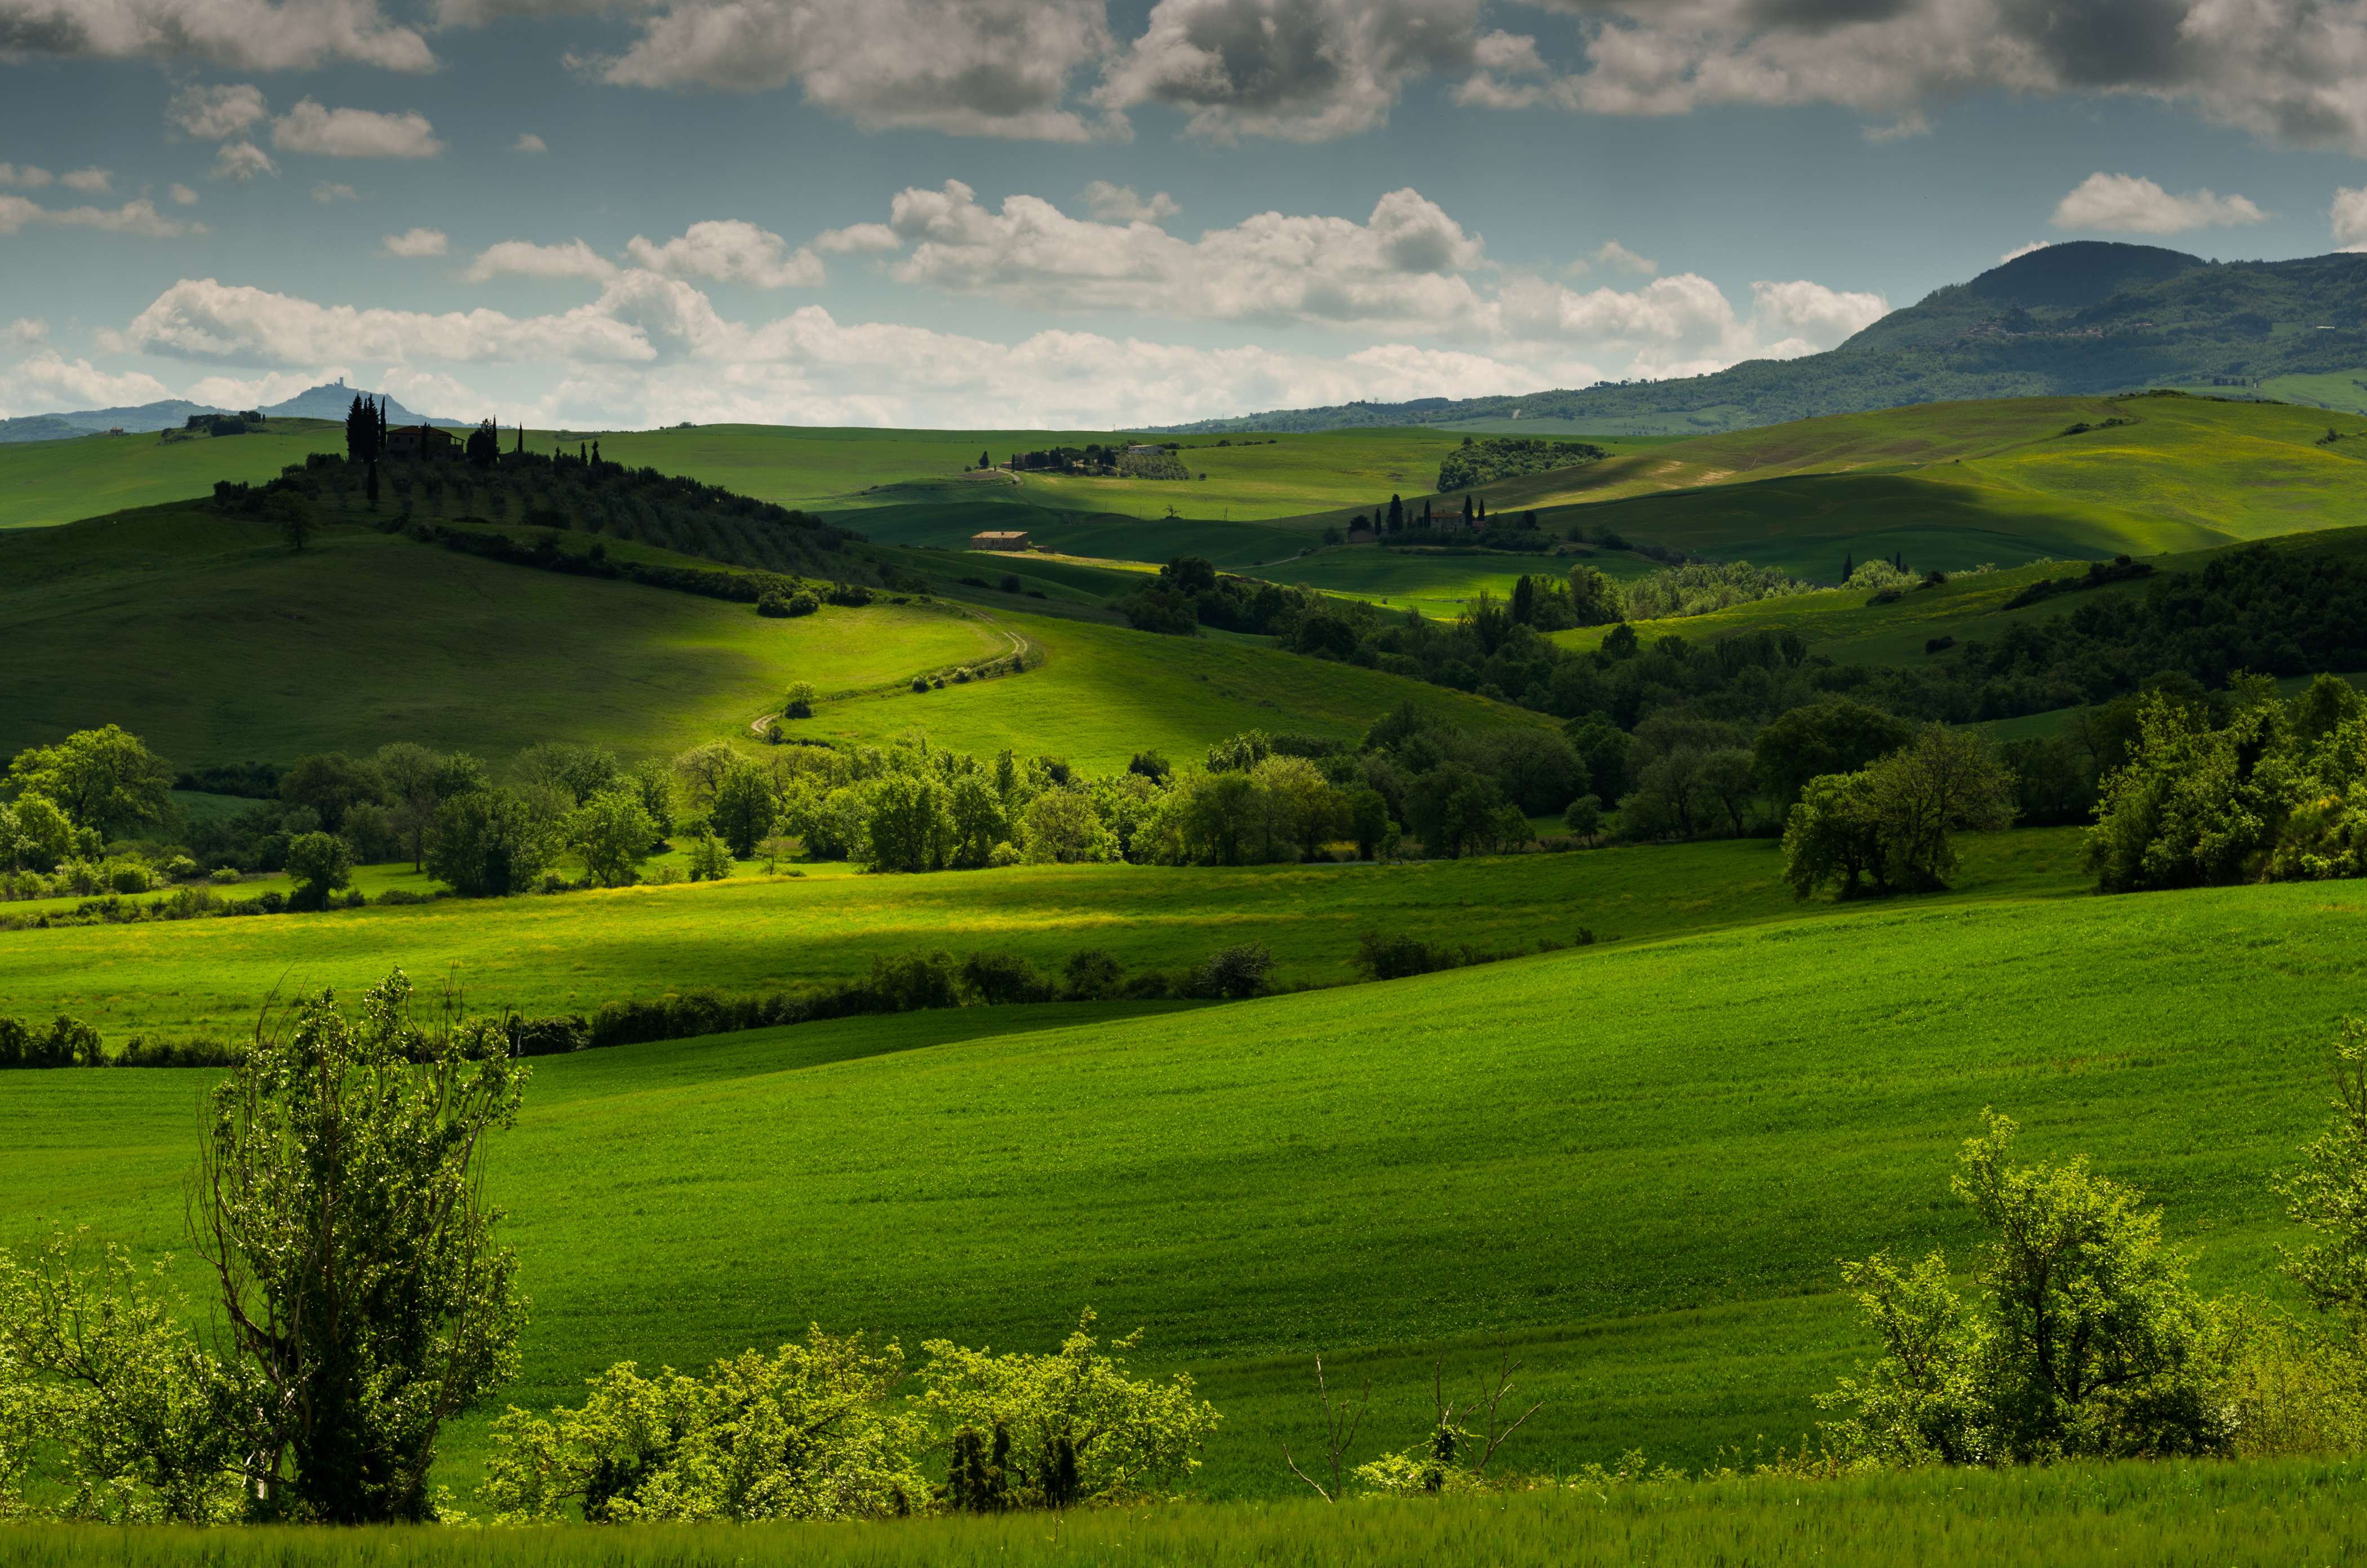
<point>2085,317</point>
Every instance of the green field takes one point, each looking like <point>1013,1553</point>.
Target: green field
<point>43,483</point>
<point>1636,1162</point>
<point>2072,1515</point>
<point>214,643</point>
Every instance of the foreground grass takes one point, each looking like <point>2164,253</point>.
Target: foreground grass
<point>571,952</point>
<point>2122,1515</point>
<point>1636,1165</point>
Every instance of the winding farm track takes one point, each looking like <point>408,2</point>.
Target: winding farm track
<point>1018,651</point>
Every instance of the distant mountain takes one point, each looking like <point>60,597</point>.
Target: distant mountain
<point>328,401</point>
<point>2078,318</point>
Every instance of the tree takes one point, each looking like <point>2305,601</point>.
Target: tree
<point>410,775</point>
<point>1451,808</point>
<point>800,700</point>
<point>1369,820</point>
<point>702,768</point>
<point>484,446</point>
<point>1602,748</point>
<point>1830,833</point>
<point>1594,598</point>
<point>1944,780</point>
<point>2329,1193</point>
<point>1061,827</point>
<point>318,864</point>
<point>292,514</point>
<point>1731,783</point>
<point>910,825</point>
<point>613,832</point>
<point>34,835</point>
<point>340,1205</point>
<point>487,844</point>
<point>1841,737</point>
<point>331,784</point>
<point>743,811</point>
<point>1396,515</point>
<point>578,772</point>
<point>2194,806</point>
<point>1539,770</point>
<point>361,433</point>
<point>1524,600</point>
<point>103,779</point>
<point>2086,1341</point>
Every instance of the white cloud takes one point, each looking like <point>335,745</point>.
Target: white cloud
<point>1398,269</point>
<point>1613,253</point>
<point>47,382</point>
<point>133,218</point>
<point>2020,251</point>
<point>242,161</point>
<point>243,35</point>
<point>182,195</point>
<point>1819,316</point>
<point>528,141</point>
<point>1119,204</point>
<point>855,238</point>
<point>2126,205</point>
<point>967,67</point>
<point>209,322</point>
<point>523,259</point>
<point>1304,70</point>
<point>25,176</point>
<point>91,182</point>
<point>325,191</point>
<point>2349,216</point>
<point>354,133</point>
<point>217,114</point>
<point>731,251</point>
<point>24,332</point>
<point>416,243</point>
<point>240,391</point>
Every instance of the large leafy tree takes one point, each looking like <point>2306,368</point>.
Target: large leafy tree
<point>613,832</point>
<point>104,779</point>
<point>486,843</point>
<point>744,811</point>
<point>340,1203</point>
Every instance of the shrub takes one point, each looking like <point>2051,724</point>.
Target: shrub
<point>225,876</point>
<point>913,981</point>
<point>547,1037</point>
<point>1092,974</point>
<point>127,876</point>
<point>851,596</point>
<point>1237,971</point>
<point>920,683</point>
<point>1584,816</point>
<point>1010,584</point>
<point>1148,985</point>
<point>774,605</point>
<point>1004,854</point>
<point>1397,957</point>
<point>401,896</point>
<point>996,979</point>
<point>803,604</point>
<point>801,698</point>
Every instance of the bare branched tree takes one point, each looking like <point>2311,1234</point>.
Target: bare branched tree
<point>1339,1433</point>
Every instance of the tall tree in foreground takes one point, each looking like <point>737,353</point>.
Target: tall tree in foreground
<point>340,1202</point>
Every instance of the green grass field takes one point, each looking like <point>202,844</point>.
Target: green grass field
<point>2075,1515</point>
<point>1634,1164</point>
<point>570,953</point>
<point>211,640</point>
<point>44,482</point>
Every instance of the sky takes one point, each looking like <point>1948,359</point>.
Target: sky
<point>1093,214</point>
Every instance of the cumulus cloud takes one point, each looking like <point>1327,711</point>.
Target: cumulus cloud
<point>90,182</point>
<point>242,35</point>
<point>969,67</point>
<point>416,243</point>
<point>2122,204</point>
<point>182,195</point>
<point>857,238</point>
<point>256,391</point>
<point>325,191</point>
<point>354,133</point>
<point>217,114</point>
<point>528,141</point>
<point>1814,313</point>
<point>731,251</point>
<point>242,161</point>
<point>523,259</point>
<point>1398,269</point>
<point>209,322</point>
<point>1305,70</point>
<point>1119,204</point>
<point>1613,253</point>
<point>2349,216</point>
<point>24,332</point>
<point>133,218</point>
<point>2019,251</point>
<point>24,176</point>
<point>47,382</point>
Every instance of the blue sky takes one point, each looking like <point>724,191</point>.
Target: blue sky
<point>1072,213</point>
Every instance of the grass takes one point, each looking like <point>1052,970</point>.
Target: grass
<point>2121,1516</point>
<point>571,952</point>
<point>1634,1164</point>
<point>215,643</point>
<point>46,482</point>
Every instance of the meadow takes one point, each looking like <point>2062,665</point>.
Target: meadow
<point>2064,1517</point>
<point>1634,1164</point>
<point>213,642</point>
<point>47,483</point>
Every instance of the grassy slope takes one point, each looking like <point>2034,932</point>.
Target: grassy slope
<point>43,483</point>
<point>209,639</point>
<point>1638,1164</point>
<point>566,954</point>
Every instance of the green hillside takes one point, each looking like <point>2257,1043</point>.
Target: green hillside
<point>207,637</point>
<point>1637,1164</point>
<point>44,482</point>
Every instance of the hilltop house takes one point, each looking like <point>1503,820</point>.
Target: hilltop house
<point>1000,540</point>
<point>412,442</point>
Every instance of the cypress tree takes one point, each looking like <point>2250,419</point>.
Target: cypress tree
<point>1396,515</point>
<point>1849,565</point>
<point>1466,509</point>
<point>1525,599</point>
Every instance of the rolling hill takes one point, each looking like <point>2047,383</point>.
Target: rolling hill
<point>2083,318</point>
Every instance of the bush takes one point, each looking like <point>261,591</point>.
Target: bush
<point>920,683</point>
<point>128,877</point>
<point>1150,986</point>
<point>1237,971</point>
<point>1398,957</point>
<point>996,979</point>
<point>1584,816</point>
<point>913,981</point>
<point>401,896</point>
<point>225,876</point>
<point>547,1037</point>
<point>800,700</point>
<point>1091,974</point>
<point>1010,584</point>
<point>803,604</point>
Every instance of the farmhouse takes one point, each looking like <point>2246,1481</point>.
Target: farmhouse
<point>415,441</point>
<point>1000,541</point>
